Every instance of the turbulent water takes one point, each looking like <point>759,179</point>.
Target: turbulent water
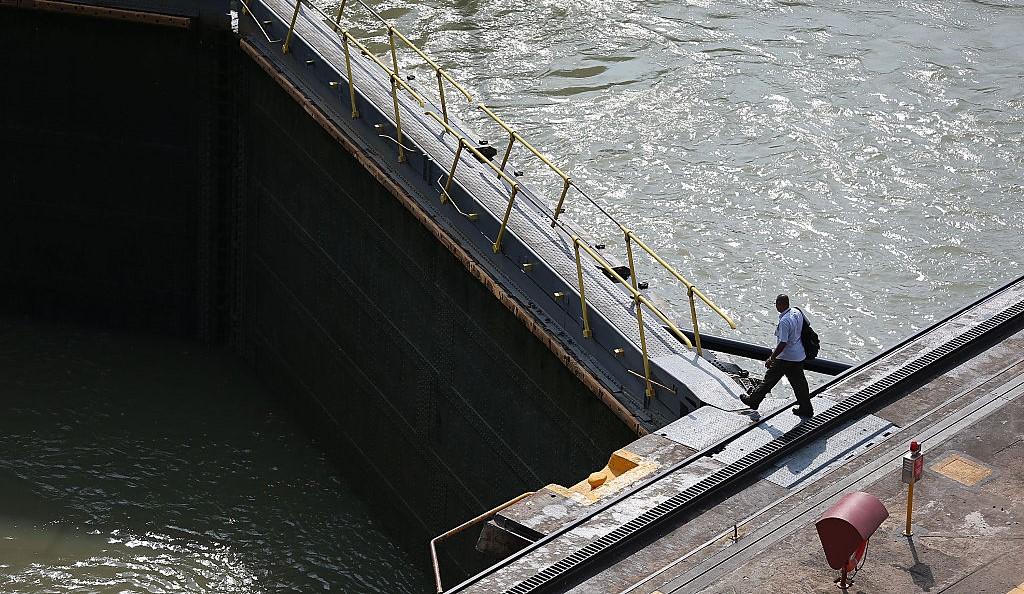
<point>864,157</point>
<point>147,465</point>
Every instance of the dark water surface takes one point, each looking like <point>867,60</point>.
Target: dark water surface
<point>138,464</point>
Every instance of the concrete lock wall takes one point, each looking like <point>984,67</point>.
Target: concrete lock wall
<point>156,178</point>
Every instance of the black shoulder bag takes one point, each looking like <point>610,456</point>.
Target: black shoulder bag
<point>809,338</point>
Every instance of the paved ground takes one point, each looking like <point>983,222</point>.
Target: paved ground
<point>972,419</point>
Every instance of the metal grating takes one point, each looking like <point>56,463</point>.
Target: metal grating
<point>760,456</point>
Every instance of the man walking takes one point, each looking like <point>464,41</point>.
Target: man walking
<point>786,360</point>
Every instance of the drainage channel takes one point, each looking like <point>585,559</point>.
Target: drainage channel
<point>760,457</point>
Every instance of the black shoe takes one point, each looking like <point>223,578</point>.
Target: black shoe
<point>745,399</point>
<point>803,412</point>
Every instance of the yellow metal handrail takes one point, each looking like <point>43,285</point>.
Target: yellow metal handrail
<point>396,81</point>
<point>392,71</point>
<point>439,72</point>
<point>463,143</point>
<point>513,136</point>
<point>393,32</point>
<point>689,286</point>
<point>691,289</point>
<point>638,298</point>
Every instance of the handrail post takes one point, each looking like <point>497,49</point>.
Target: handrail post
<point>508,151</point>
<point>394,52</point>
<point>643,349</point>
<point>496,247</point>
<point>693,315</point>
<point>291,27</point>
<point>398,118</point>
<point>629,258</point>
<point>440,91</point>
<point>451,174</point>
<point>639,317</point>
<point>337,18</point>
<point>348,69</point>
<point>583,294</point>
<point>561,199</point>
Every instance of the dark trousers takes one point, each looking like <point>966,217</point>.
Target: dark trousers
<point>794,372</point>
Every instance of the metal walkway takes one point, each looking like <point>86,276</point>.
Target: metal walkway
<point>544,262</point>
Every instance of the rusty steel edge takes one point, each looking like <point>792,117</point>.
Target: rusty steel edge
<point>102,12</point>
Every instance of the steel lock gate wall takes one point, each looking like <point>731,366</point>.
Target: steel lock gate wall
<point>113,171</point>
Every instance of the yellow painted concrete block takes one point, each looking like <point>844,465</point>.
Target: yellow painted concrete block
<point>962,470</point>
<point>624,468</point>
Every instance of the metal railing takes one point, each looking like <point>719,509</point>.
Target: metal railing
<point>465,144</point>
<point>392,33</point>
<point>580,246</point>
<point>691,289</point>
<point>465,526</point>
<point>513,136</point>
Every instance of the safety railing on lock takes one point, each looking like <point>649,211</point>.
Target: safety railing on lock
<point>580,246</point>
